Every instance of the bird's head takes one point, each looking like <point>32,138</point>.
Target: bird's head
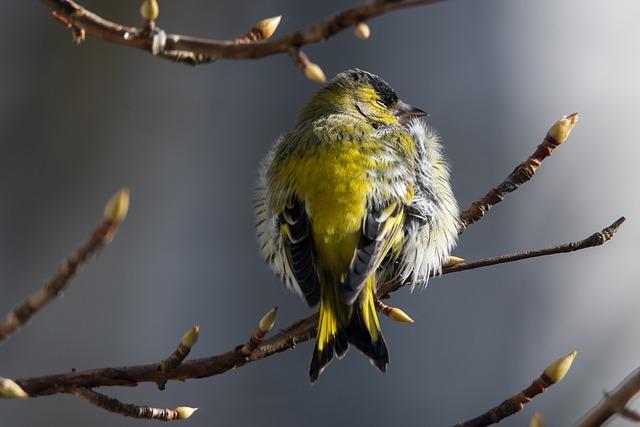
<point>365,95</point>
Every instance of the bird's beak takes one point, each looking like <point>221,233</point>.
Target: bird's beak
<point>405,112</point>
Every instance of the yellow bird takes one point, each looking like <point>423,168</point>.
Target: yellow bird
<point>356,193</point>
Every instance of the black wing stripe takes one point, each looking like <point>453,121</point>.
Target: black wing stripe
<point>299,248</point>
<point>367,251</point>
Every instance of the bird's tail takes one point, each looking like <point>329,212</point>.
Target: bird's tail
<point>340,325</point>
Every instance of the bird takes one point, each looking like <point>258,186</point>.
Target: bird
<point>356,194</point>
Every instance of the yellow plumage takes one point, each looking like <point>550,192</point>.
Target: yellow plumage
<point>331,207</point>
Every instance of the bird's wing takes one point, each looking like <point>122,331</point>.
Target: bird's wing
<point>297,239</point>
<point>274,245</point>
<point>379,229</point>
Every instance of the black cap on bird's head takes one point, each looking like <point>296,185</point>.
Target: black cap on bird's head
<point>385,93</point>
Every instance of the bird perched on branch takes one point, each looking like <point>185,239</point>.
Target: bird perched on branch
<point>358,191</point>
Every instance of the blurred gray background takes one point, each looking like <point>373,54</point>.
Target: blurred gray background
<point>76,123</point>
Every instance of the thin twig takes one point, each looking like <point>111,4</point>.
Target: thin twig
<point>177,357</point>
<point>614,403</point>
<point>194,50</point>
<point>264,326</point>
<point>522,174</point>
<point>102,236</point>
<point>553,374</point>
<point>596,239</point>
<point>134,411</point>
<point>301,331</point>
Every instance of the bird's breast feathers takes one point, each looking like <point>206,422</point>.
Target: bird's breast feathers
<point>342,169</point>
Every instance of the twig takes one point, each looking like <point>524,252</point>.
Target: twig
<point>550,376</point>
<point>194,50</point>
<point>298,332</point>
<point>102,236</point>
<point>264,326</point>
<point>558,133</point>
<point>614,403</point>
<point>311,70</point>
<point>134,411</point>
<point>596,239</point>
<point>168,365</point>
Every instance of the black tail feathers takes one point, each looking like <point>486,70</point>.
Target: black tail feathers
<point>362,339</point>
<point>357,334</point>
<point>321,358</point>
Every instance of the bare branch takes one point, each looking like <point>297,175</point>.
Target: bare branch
<point>102,236</point>
<point>596,239</point>
<point>194,50</point>
<point>301,331</point>
<point>550,376</point>
<point>522,174</point>
<point>614,403</point>
<point>134,411</point>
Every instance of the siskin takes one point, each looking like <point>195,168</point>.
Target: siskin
<point>356,194</point>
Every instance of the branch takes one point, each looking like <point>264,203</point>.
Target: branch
<point>615,403</point>
<point>134,411</point>
<point>596,239</point>
<point>301,331</point>
<point>115,213</point>
<point>522,174</point>
<point>553,374</point>
<point>194,50</point>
